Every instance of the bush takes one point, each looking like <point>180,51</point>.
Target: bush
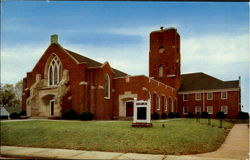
<point>243,115</point>
<point>205,115</point>
<point>177,115</point>
<point>155,116</point>
<point>70,114</point>
<point>190,115</point>
<point>86,116</point>
<point>23,113</point>
<point>220,115</point>
<point>164,116</point>
<point>171,115</point>
<point>14,115</point>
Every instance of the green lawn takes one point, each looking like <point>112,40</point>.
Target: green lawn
<point>184,136</point>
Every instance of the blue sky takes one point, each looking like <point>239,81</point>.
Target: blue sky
<point>214,36</point>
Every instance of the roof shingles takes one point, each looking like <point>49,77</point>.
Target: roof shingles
<point>93,63</point>
<point>202,81</point>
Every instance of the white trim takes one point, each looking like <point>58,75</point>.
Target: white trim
<point>226,107</point>
<point>196,96</point>
<point>222,95</point>
<point>212,109</point>
<point>184,110</point>
<point>211,96</point>
<point>211,90</point>
<point>184,97</point>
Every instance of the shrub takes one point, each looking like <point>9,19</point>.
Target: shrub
<point>190,115</point>
<point>23,113</point>
<point>70,114</point>
<point>86,116</point>
<point>177,115</point>
<point>205,115</point>
<point>164,116</point>
<point>14,115</point>
<point>220,115</point>
<point>171,115</point>
<point>155,116</point>
<point>243,115</point>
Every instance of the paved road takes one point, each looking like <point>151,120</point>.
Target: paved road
<point>236,147</point>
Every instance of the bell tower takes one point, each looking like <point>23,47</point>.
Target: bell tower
<point>165,56</point>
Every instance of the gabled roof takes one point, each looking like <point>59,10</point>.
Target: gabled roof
<point>93,63</point>
<point>202,81</point>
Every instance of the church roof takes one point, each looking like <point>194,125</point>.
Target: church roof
<point>202,81</point>
<point>93,63</point>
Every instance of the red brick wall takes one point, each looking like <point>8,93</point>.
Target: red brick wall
<point>169,60</point>
<point>232,102</point>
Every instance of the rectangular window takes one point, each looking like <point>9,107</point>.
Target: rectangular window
<point>209,96</point>
<point>197,96</point>
<point>185,97</point>
<point>197,109</point>
<point>223,95</point>
<point>210,109</point>
<point>185,110</point>
<point>224,109</point>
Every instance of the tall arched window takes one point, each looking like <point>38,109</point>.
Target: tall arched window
<point>159,103</point>
<point>160,71</point>
<point>107,86</point>
<point>55,71</point>
<point>166,104</point>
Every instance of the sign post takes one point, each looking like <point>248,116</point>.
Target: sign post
<point>142,114</point>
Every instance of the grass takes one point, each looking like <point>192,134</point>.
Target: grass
<point>184,136</point>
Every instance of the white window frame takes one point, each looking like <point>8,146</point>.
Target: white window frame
<point>196,107</point>
<point>211,95</point>
<point>108,78</point>
<point>166,104</point>
<point>212,109</point>
<point>184,97</point>
<point>222,95</point>
<point>58,66</point>
<point>184,109</point>
<point>196,96</point>
<point>159,103</point>
<point>221,109</point>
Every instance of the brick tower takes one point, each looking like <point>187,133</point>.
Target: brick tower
<point>164,56</point>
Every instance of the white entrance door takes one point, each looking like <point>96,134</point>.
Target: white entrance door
<point>52,107</point>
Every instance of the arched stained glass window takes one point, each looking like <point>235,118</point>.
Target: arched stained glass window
<point>55,71</point>
<point>107,86</point>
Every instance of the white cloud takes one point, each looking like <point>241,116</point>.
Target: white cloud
<point>222,56</point>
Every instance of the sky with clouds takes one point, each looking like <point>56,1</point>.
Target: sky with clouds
<point>214,35</point>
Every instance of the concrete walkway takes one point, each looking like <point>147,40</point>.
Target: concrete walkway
<point>236,147</point>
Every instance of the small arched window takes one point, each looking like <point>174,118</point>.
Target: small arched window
<point>149,96</point>
<point>54,72</point>
<point>107,86</point>
<point>160,71</point>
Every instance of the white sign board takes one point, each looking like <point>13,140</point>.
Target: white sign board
<point>142,111</point>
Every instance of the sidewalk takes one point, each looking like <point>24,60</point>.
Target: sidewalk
<point>235,147</point>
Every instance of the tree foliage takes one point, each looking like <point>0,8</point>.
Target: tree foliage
<point>10,95</point>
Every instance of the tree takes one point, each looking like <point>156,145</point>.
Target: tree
<point>10,95</point>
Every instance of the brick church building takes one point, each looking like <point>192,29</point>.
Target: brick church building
<point>63,79</point>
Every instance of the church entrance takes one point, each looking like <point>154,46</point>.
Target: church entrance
<point>129,109</point>
<point>52,107</point>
